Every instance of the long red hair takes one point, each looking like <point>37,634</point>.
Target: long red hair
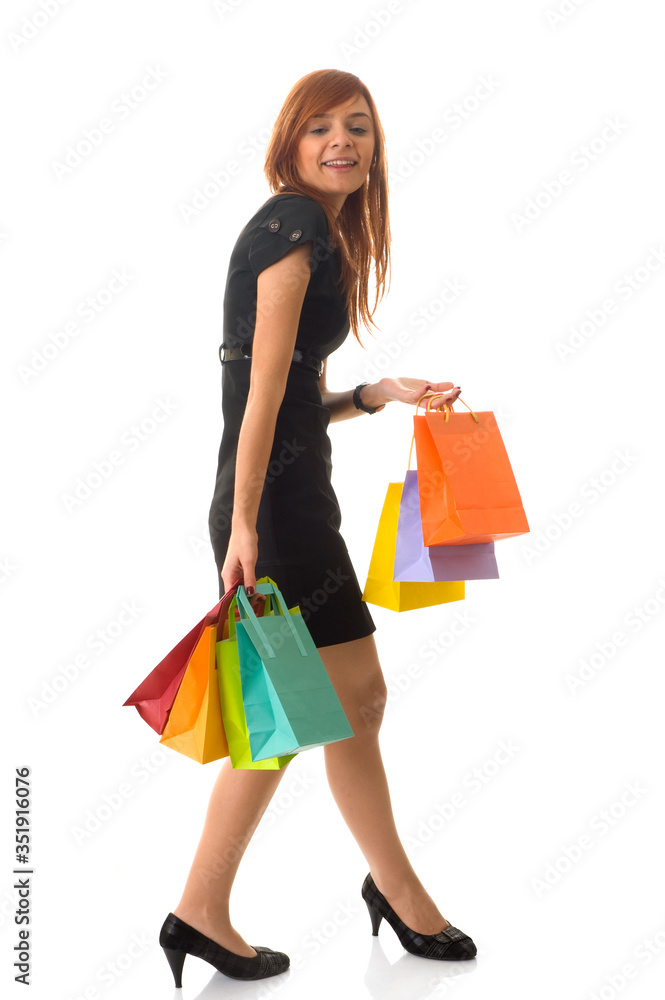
<point>362,227</point>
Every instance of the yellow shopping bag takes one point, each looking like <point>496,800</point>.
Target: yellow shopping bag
<point>230,692</point>
<point>380,588</point>
<point>194,726</point>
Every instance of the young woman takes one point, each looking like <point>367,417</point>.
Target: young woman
<point>297,282</point>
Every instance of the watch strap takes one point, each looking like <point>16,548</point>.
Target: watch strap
<point>359,403</point>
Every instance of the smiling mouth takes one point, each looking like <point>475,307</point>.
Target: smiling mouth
<point>339,163</point>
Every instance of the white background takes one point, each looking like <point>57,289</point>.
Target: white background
<point>550,918</point>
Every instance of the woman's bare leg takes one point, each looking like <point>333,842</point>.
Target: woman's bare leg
<point>238,800</point>
<point>358,783</point>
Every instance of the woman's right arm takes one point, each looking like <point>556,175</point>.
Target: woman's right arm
<point>280,292</point>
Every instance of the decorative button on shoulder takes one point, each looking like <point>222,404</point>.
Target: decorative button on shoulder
<point>295,235</point>
<point>274,225</point>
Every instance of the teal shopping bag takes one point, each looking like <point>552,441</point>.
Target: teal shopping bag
<point>230,694</point>
<point>290,703</point>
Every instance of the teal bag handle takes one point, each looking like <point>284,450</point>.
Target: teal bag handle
<point>244,605</point>
<point>234,603</point>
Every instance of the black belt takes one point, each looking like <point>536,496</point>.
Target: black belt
<point>304,358</point>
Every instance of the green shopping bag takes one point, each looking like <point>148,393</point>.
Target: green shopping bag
<point>230,694</point>
<point>290,703</point>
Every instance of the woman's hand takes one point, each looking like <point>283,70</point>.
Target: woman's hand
<point>409,390</point>
<point>240,562</point>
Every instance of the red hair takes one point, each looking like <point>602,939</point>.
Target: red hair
<point>362,227</point>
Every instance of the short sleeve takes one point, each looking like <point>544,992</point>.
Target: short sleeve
<point>293,219</point>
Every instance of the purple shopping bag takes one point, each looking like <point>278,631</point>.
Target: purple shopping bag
<point>416,562</point>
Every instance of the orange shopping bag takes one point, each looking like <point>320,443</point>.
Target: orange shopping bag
<point>194,726</point>
<point>468,493</point>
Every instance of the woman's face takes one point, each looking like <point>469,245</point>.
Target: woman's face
<point>336,150</point>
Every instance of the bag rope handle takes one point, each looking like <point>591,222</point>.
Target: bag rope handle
<point>447,412</point>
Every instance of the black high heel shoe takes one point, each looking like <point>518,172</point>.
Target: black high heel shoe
<point>450,944</point>
<point>178,940</point>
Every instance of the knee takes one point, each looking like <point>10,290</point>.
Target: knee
<point>355,671</point>
<point>369,708</point>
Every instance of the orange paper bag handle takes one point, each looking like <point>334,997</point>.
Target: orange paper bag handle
<point>446,412</point>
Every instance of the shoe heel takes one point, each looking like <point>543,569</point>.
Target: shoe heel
<point>375,917</point>
<point>176,960</point>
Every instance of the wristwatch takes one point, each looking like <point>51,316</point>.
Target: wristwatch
<point>359,403</point>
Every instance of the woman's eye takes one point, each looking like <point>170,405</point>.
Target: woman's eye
<point>355,128</point>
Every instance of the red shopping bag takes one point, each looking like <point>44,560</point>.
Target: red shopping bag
<point>154,697</point>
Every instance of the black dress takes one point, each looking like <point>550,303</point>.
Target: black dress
<point>299,543</point>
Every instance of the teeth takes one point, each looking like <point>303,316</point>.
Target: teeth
<point>338,163</point>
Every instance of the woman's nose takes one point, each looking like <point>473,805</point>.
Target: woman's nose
<point>338,136</point>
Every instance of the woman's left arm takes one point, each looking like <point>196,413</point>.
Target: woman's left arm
<point>386,390</point>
